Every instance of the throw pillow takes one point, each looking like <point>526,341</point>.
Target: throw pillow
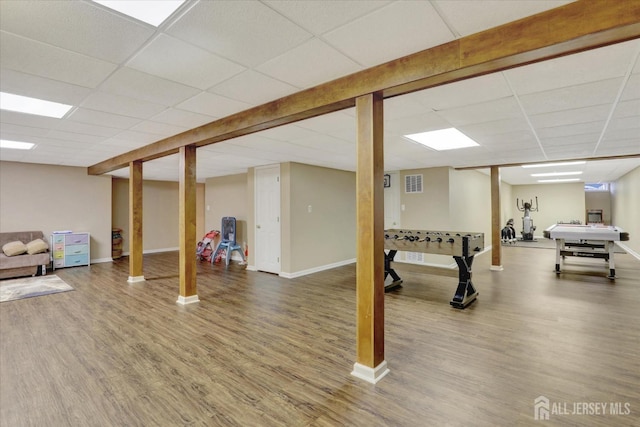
<point>37,246</point>
<point>14,248</point>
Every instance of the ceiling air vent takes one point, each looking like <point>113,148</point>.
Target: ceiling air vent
<point>413,184</point>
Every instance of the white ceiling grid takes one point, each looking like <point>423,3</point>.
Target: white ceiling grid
<point>133,84</point>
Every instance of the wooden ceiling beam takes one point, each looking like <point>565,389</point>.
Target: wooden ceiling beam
<point>542,162</point>
<point>575,27</point>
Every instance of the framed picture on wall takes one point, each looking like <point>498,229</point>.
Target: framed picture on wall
<point>387,180</point>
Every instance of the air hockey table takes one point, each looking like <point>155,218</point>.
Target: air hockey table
<point>592,241</point>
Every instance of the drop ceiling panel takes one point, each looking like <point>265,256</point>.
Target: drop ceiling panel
<point>87,129</point>
<point>163,130</point>
<point>85,115</point>
<point>181,62</point>
<point>317,18</point>
<point>136,84</point>
<point>423,122</point>
<point>505,108</point>
<point>632,88</point>
<point>104,35</point>
<point>586,67</point>
<point>212,105</point>
<point>28,120</point>
<point>466,92</point>
<point>570,130</point>
<point>472,16</point>
<point>390,32</point>
<point>248,33</point>
<point>598,113</point>
<point>253,88</point>
<point>309,64</point>
<point>44,60</point>
<point>39,87</point>
<point>123,105</point>
<point>72,136</point>
<point>176,117</point>
<point>572,97</point>
<point>9,128</point>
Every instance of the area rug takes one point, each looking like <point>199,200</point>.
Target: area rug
<point>28,287</point>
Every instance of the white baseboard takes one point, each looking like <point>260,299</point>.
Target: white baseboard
<point>628,250</point>
<point>154,251</point>
<point>252,268</point>
<point>315,269</point>
<point>99,260</point>
<point>372,375</point>
<point>187,300</point>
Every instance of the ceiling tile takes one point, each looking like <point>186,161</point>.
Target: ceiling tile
<point>309,64</point>
<point>597,113</point>
<point>253,88</point>
<point>317,18</point>
<point>9,128</point>
<point>84,115</point>
<point>248,33</point>
<point>39,87</point>
<point>473,91</point>
<point>136,84</point>
<point>632,88</point>
<point>162,129</point>
<point>505,108</point>
<point>571,97</point>
<point>573,70</point>
<point>39,59</point>
<point>401,28</point>
<point>184,63</point>
<point>570,130</point>
<point>212,105</point>
<point>87,129</point>
<point>176,117</point>
<point>123,105</point>
<point>472,16</point>
<point>103,34</point>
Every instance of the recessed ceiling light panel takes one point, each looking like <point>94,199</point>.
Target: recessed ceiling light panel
<point>545,165</point>
<point>560,180</point>
<point>16,145</point>
<point>152,12</point>
<point>27,105</point>
<point>443,139</point>
<point>557,173</point>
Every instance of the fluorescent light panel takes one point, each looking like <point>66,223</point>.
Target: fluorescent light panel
<point>443,139</point>
<point>17,145</point>
<point>152,12</point>
<point>544,165</point>
<point>560,180</point>
<point>39,107</point>
<point>557,173</point>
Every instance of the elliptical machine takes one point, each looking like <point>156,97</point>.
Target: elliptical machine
<point>527,222</point>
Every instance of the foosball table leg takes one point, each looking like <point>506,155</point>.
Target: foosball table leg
<point>465,294</point>
<point>388,271</point>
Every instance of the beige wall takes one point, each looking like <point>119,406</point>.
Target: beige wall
<point>625,201</point>
<point>160,204</point>
<point>227,196</point>
<point>50,198</point>
<point>470,202</point>
<point>327,234</point>
<point>598,200</point>
<point>556,202</point>
<point>428,210</point>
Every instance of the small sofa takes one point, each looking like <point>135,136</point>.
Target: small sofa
<point>24,264</point>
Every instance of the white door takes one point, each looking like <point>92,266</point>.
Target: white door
<point>267,201</point>
<point>392,201</point>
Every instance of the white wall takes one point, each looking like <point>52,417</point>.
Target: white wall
<point>625,200</point>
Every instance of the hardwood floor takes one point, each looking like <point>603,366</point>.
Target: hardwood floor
<point>259,350</point>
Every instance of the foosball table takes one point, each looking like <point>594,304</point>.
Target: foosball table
<point>461,245</point>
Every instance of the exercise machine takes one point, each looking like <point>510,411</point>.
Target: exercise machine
<point>527,222</point>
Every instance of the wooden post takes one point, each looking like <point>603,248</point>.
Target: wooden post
<point>135,222</point>
<point>496,224</point>
<point>370,364</point>
<point>187,229</point>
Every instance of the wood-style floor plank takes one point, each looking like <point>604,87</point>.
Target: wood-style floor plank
<point>260,350</point>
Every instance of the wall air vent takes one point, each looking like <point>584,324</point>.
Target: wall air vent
<point>413,184</point>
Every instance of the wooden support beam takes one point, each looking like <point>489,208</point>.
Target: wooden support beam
<point>496,223</point>
<point>135,222</point>
<point>370,364</point>
<point>187,230</point>
<point>575,27</point>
